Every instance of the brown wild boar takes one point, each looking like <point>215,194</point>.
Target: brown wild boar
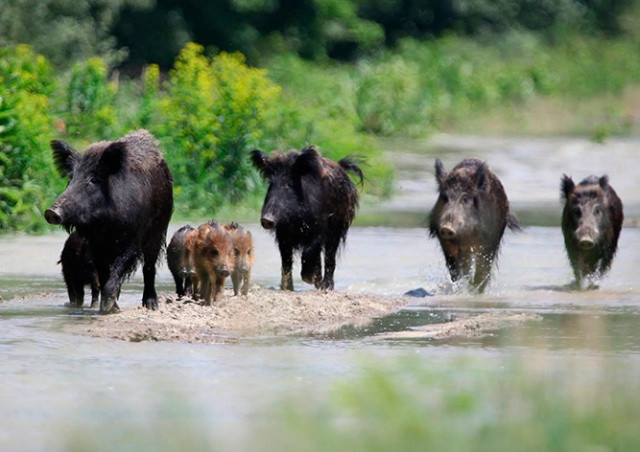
<point>469,219</point>
<point>213,258</point>
<point>591,222</point>
<point>244,257</point>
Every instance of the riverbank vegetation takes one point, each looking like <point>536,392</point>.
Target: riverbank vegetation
<point>335,74</point>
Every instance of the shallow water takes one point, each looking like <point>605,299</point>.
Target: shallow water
<point>59,389</point>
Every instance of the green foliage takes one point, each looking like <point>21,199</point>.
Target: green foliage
<point>467,405</point>
<point>215,111</point>
<point>88,110</point>
<point>66,31</point>
<point>25,129</point>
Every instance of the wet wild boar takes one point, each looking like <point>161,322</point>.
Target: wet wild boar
<point>310,204</point>
<point>591,222</point>
<point>119,199</point>
<point>244,257</point>
<point>212,258</point>
<point>179,260</point>
<point>78,270</point>
<point>469,219</point>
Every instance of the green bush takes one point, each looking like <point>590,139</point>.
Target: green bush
<point>88,109</point>
<point>214,115</point>
<point>26,176</point>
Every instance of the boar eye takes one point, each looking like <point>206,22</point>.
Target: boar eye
<point>249,253</point>
<point>94,180</point>
<point>213,251</point>
<point>444,197</point>
<point>576,212</point>
<point>465,199</point>
<point>236,251</point>
<point>597,211</point>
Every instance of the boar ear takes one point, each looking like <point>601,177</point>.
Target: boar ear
<point>262,162</point>
<point>604,182</point>
<point>566,186</point>
<point>481,176</point>
<point>64,157</point>
<point>441,174</point>
<point>308,162</point>
<point>112,159</point>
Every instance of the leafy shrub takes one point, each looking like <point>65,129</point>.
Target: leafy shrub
<point>26,175</point>
<point>88,109</point>
<point>215,111</point>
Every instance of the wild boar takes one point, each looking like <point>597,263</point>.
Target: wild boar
<point>119,198</point>
<point>179,260</point>
<point>213,258</point>
<point>310,204</point>
<point>469,219</point>
<point>591,222</point>
<point>244,257</point>
<point>78,270</point>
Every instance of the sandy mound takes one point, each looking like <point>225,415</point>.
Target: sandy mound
<point>476,326</point>
<point>261,313</point>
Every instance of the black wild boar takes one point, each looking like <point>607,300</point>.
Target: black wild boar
<point>119,199</point>
<point>78,270</point>
<point>469,219</point>
<point>178,259</point>
<point>310,204</point>
<point>591,222</point>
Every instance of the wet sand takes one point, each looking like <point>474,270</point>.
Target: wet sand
<point>265,313</point>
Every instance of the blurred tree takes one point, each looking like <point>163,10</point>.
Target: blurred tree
<point>65,31</point>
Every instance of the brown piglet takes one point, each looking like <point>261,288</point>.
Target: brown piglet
<point>244,257</point>
<point>212,257</point>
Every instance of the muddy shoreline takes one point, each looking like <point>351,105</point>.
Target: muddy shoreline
<point>265,313</point>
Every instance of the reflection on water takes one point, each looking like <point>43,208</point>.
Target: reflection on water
<point>56,385</point>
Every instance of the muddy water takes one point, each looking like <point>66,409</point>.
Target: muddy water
<point>59,390</point>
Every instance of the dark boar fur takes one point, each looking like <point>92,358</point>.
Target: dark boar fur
<point>244,257</point>
<point>178,260</point>
<point>213,258</point>
<point>469,219</point>
<point>119,199</point>
<point>78,270</point>
<point>310,204</point>
<point>591,222</point>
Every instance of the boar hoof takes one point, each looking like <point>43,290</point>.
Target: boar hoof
<point>151,303</point>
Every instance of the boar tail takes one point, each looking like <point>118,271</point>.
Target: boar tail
<point>513,223</point>
<point>350,163</point>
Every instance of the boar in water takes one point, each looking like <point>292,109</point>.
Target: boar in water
<point>78,270</point>
<point>310,204</point>
<point>120,200</point>
<point>469,219</point>
<point>179,260</point>
<point>244,257</point>
<point>212,258</point>
<point>591,222</point>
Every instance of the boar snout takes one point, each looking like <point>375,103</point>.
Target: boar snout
<point>587,239</point>
<point>268,222</point>
<point>53,216</point>
<point>224,272</point>
<point>447,232</point>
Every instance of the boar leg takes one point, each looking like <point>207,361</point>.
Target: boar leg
<point>311,264</point>
<point>218,289</point>
<point>95,290</point>
<point>330,250</point>
<point>286,253</point>
<point>116,275</point>
<point>246,278</point>
<point>236,279</point>
<point>178,279</point>
<point>188,288</point>
<point>75,289</point>
<point>149,295</point>
<point>483,272</point>
<point>205,289</point>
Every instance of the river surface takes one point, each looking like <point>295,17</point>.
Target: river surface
<point>59,389</point>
